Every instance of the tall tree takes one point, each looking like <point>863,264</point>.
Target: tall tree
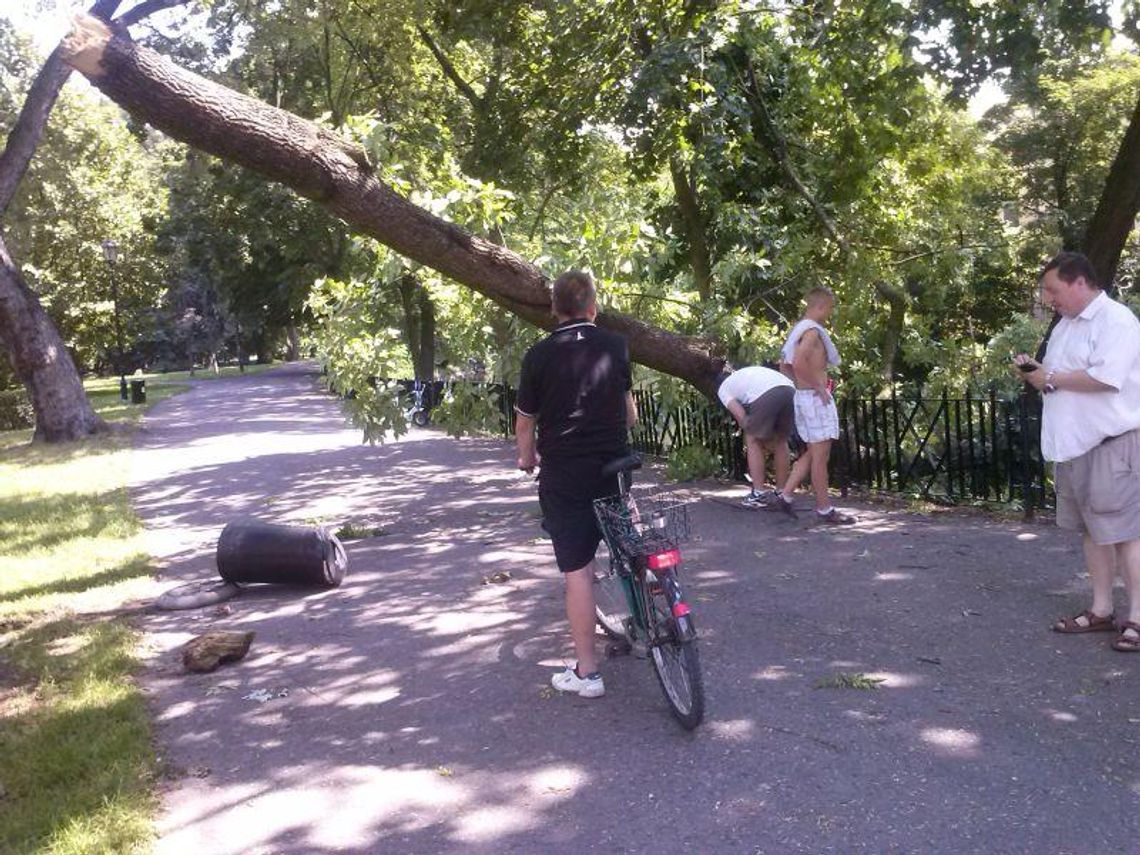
<point>32,343</point>
<point>1114,219</point>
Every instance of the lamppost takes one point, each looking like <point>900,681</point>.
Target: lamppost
<point>111,256</point>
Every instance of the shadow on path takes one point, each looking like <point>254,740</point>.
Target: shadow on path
<point>409,708</point>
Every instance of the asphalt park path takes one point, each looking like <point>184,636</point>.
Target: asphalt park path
<point>409,712</point>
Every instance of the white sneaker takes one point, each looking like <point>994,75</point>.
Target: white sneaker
<point>590,686</point>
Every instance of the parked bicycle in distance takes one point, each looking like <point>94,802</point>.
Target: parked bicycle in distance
<point>639,599</point>
<point>418,413</point>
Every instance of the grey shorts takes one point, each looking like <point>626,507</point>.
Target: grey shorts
<point>772,414</point>
<point>1099,492</point>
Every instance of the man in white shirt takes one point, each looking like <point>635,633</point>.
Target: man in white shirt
<point>1090,382</point>
<point>761,401</point>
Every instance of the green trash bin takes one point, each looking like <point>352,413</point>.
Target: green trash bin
<point>138,391</point>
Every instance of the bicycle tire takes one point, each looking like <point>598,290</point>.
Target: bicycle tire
<point>610,605</point>
<point>677,665</point>
<point>420,418</point>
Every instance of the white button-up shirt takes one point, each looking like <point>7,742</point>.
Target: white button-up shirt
<point>1103,340</point>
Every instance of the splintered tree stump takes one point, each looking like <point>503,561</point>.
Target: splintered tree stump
<point>206,652</point>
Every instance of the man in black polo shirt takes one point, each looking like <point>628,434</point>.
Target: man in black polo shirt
<point>575,389</point>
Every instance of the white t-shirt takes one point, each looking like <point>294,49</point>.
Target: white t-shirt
<point>1103,340</point>
<point>748,384</point>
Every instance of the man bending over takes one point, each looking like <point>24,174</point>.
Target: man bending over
<point>761,401</point>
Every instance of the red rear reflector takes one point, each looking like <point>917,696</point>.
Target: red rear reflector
<point>661,560</point>
<point>681,609</point>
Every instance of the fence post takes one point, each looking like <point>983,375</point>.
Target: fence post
<point>994,455</point>
<point>1026,464</point>
<point>898,453</point>
<point>842,460</point>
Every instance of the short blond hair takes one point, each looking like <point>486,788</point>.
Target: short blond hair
<point>818,294</point>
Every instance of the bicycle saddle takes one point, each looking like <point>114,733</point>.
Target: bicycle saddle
<point>623,464</point>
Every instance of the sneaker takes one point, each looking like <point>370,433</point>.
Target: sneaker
<point>590,686</point>
<point>779,502</point>
<point>758,498</point>
<point>836,517</point>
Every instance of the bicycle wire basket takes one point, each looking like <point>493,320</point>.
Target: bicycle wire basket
<point>642,526</point>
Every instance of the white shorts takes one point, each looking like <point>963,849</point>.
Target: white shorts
<point>815,420</point>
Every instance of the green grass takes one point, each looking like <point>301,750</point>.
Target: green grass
<point>359,531</point>
<point>849,681</point>
<point>75,748</point>
<point>77,764</point>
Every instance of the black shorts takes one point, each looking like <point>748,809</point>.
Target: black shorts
<point>566,492</point>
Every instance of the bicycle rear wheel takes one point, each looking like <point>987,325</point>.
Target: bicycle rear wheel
<point>677,665</point>
<point>611,605</point>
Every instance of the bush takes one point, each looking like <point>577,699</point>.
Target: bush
<point>16,410</point>
<point>692,462</point>
<point>468,409</point>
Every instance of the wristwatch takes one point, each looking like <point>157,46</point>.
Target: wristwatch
<point>1049,387</point>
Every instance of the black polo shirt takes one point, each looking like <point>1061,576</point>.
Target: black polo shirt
<point>574,384</point>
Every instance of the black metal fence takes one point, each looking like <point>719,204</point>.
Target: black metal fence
<point>950,450</point>
<point>967,449</point>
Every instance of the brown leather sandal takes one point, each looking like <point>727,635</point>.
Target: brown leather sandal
<point>1129,639</point>
<point>1092,623</point>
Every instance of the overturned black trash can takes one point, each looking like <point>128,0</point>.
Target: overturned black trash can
<point>250,550</point>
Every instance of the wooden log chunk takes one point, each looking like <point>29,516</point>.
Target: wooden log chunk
<point>206,652</point>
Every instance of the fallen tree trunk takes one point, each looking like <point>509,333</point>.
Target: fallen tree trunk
<point>332,172</point>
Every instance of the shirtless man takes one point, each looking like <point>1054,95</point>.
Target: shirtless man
<point>806,356</point>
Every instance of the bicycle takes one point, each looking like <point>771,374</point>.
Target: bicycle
<point>418,412</point>
<point>639,599</point>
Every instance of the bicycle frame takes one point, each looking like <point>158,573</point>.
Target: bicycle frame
<point>643,539</point>
<point>641,572</point>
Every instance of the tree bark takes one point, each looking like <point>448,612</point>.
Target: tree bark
<point>425,360</point>
<point>41,361</point>
<point>31,341</point>
<point>336,175</point>
<point>419,325</point>
<point>292,344</point>
<point>1115,214</point>
<point>897,301</point>
<point>695,228</point>
<point>25,134</point>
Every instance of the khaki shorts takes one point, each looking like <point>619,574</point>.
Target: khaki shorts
<point>771,414</point>
<point>1099,492</point>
